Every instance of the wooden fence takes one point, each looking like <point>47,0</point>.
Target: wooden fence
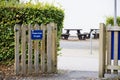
<point>35,56</point>
<point>109,51</point>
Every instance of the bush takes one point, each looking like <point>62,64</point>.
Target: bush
<point>11,14</point>
<point>110,20</point>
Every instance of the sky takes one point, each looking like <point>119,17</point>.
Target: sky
<point>85,14</point>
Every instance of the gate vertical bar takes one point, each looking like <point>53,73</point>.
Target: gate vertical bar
<point>54,47</point>
<point>43,54</point>
<point>55,34</point>
<point>36,52</point>
<point>29,50</point>
<point>23,48</point>
<point>109,50</point>
<point>49,48</point>
<point>16,32</point>
<point>102,50</point>
<point>115,51</point>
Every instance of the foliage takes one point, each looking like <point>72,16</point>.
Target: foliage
<point>110,20</point>
<point>11,14</point>
<point>10,0</point>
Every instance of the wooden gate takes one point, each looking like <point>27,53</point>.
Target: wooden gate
<point>109,50</point>
<point>34,55</point>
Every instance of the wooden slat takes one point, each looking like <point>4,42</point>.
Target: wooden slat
<point>115,51</point>
<point>102,50</point>
<point>54,47</point>
<point>108,50</point>
<point>43,54</point>
<point>49,48</point>
<point>23,48</point>
<point>16,32</point>
<point>29,50</point>
<point>55,30</point>
<point>112,67</point>
<point>36,52</point>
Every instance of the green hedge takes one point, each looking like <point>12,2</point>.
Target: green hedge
<point>110,20</point>
<point>11,14</point>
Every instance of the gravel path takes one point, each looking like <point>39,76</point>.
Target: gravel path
<point>68,75</point>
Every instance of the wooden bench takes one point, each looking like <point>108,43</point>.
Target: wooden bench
<point>65,36</point>
<point>82,36</point>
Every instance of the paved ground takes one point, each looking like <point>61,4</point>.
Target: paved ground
<point>77,58</point>
<point>76,55</point>
<point>75,63</point>
<point>69,75</point>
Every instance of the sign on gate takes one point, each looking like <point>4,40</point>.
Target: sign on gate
<point>36,34</point>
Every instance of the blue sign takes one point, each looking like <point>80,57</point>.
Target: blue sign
<point>36,34</point>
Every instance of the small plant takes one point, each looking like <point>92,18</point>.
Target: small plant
<point>110,20</point>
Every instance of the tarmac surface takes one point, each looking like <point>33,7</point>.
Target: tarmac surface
<point>81,60</point>
<point>76,55</point>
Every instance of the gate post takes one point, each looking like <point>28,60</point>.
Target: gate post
<point>102,50</point>
<point>17,36</point>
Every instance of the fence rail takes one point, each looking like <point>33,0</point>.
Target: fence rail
<point>109,52</point>
<point>35,56</point>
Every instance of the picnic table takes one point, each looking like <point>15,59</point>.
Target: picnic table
<point>68,30</point>
<point>96,33</point>
<point>79,34</point>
